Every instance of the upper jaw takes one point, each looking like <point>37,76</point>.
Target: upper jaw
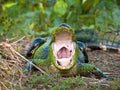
<point>63,50</point>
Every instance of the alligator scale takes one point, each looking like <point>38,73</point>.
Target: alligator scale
<point>62,53</point>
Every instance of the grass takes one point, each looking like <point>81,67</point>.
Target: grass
<point>115,85</point>
<point>96,86</point>
<point>55,82</point>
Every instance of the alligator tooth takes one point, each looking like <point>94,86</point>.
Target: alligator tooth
<point>58,62</point>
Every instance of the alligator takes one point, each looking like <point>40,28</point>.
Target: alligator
<point>62,53</point>
<point>100,40</point>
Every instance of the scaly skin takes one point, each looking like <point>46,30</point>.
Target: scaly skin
<point>44,57</point>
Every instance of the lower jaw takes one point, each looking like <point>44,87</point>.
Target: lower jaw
<point>67,73</point>
<point>61,68</point>
<point>64,73</point>
<point>70,72</point>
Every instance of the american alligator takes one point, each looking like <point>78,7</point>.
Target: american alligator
<point>62,53</point>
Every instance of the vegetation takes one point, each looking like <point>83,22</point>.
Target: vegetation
<point>36,17</point>
<point>57,83</point>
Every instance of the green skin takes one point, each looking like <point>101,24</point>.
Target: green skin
<point>76,68</point>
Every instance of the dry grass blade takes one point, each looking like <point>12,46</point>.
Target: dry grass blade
<point>11,67</point>
<point>2,84</point>
<point>19,55</point>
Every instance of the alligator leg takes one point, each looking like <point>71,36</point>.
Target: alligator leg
<point>35,44</point>
<point>38,62</point>
<point>82,47</point>
<point>85,69</point>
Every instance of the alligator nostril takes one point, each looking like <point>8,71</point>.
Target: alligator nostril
<point>58,63</point>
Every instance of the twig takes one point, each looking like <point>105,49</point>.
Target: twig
<point>4,86</point>
<point>18,54</point>
<point>31,63</point>
<point>28,61</point>
<point>107,73</point>
<point>18,40</point>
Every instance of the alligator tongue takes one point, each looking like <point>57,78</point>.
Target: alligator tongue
<point>63,53</point>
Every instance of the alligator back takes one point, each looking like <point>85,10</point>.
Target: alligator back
<point>97,39</point>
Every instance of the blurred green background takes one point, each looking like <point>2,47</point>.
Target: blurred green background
<point>35,18</point>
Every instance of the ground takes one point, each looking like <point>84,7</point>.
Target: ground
<point>108,62</point>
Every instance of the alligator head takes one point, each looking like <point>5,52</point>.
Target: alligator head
<point>63,47</point>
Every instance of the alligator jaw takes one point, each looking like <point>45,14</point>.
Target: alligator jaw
<point>63,49</point>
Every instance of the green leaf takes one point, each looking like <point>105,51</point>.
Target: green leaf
<point>60,7</point>
<point>116,16</point>
<point>86,6</point>
<point>8,5</point>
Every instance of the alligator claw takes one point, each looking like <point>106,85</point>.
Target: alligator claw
<point>29,65</point>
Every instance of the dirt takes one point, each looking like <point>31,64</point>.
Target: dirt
<point>108,62</point>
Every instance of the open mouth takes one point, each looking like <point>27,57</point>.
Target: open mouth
<point>64,53</point>
<point>63,49</point>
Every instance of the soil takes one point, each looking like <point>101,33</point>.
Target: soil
<point>108,62</point>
